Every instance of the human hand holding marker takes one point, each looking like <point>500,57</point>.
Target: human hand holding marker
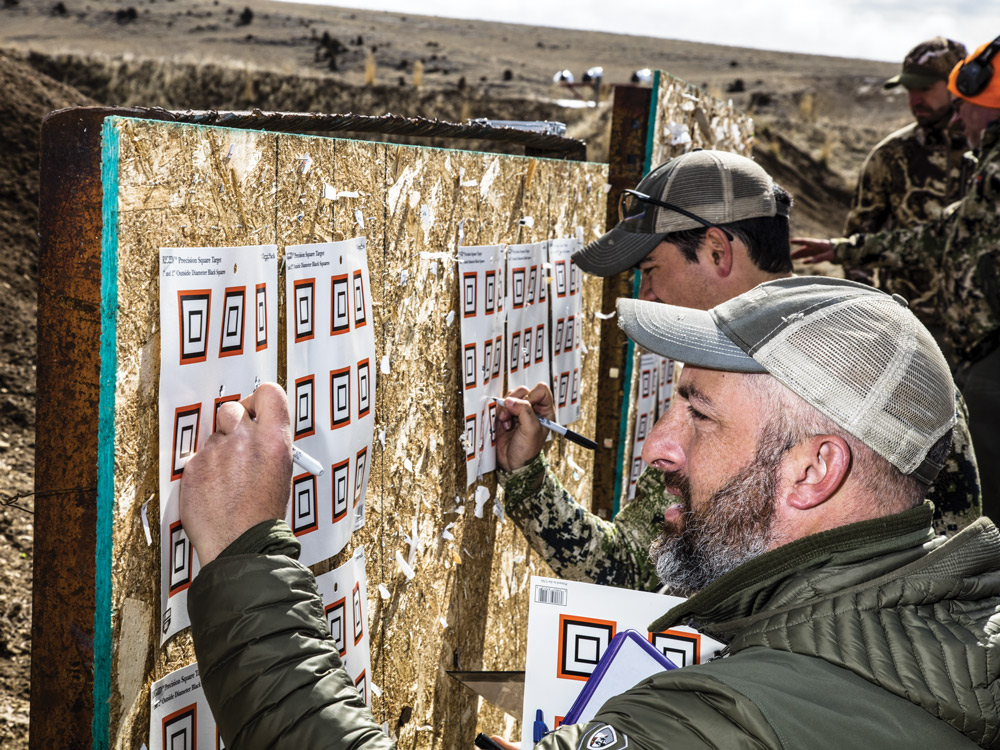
<point>520,437</point>
<point>242,475</point>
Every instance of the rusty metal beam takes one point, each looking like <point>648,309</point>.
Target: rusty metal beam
<point>68,362</point>
<point>626,157</point>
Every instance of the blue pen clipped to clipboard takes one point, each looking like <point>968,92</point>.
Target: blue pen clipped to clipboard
<point>628,659</point>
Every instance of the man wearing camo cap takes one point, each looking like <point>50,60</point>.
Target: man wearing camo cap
<point>912,175</point>
<point>915,173</point>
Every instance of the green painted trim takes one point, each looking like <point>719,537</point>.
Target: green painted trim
<point>623,422</point>
<point>647,162</point>
<point>106,433</point>
<point>621,470</point>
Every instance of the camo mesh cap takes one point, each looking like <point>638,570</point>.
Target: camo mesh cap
<point>717,186</point>
<point>854,353</point>
<point>927,63</point>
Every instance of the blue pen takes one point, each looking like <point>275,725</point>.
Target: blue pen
<point>538,729</point>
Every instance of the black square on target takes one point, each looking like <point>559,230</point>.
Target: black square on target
<point>517,280</point>
<point>305,406</point>
<point>233,307</point>
<point>469,294</point>
<point>340,397</point>
<point>341,488</point>
<point>340,305</point>
<point>261,326</point>
<point>187,424</point>
<point>304,516</point>
<point>497,355</point>
<point>359,624</point>
<point>561,278</point>
<point>360,318</point>
<point>181,559</point>
<point>304,309</point>
<point>491,292</point>
<point>364,388</point>
<point>336,619</point>
<point>194,308</point>
<point>180,729</point>
<point>582,643</point>
<point>360,478</point>
<point>471,373</point>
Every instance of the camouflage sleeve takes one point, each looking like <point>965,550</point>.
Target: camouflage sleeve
<point>576,543</point>
<point>956,492</point>
<point>869,209</point>
<point>899,249</point>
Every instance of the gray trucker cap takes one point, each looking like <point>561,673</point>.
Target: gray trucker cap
<point>719,186</point>
<point>854,353</point>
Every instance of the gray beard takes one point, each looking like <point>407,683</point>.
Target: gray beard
<point>733,527</point>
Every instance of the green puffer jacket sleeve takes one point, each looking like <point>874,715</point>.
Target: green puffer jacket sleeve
<point>268,665</point>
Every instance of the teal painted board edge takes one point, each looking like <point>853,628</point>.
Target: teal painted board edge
<point>106,432</point>
<point>647,162</point>
<point>622,470</point>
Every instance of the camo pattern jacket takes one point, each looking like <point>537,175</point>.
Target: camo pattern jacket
<point>909,178</point>
<point>961,253</point>
<point>581,546</point>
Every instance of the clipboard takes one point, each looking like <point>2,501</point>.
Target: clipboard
<point>628,659</point>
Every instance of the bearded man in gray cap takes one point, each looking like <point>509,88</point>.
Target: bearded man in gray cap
<point>702,229</point>
<point>809,420</point>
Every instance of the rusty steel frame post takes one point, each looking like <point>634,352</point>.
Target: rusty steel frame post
<point>69,330</point>
<point>627,159</point>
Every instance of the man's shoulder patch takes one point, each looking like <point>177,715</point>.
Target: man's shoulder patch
<point>603,737</point>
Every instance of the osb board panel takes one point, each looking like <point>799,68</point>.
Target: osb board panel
<point>575,202</point>
<point>177,186</point>
<point>687,118</point>
<point>414,206</point>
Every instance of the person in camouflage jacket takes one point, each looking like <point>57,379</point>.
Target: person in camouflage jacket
<point>961,253</point>
<point>914,174</point>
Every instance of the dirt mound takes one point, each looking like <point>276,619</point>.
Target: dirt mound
<point>25,97</point>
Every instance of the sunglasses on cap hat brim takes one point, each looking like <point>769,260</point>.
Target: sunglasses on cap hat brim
<point>632,206</point>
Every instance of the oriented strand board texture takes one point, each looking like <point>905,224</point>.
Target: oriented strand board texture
<point>413,205</point>
<point>687,117</point>
<point>176,188</point>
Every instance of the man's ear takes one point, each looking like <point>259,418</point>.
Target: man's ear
<point>720,252</point>
<point>818,466</point>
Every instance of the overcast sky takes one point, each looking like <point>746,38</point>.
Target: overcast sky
<point>873,29</point>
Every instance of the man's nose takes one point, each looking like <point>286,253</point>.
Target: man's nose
<point>663,447</point>
<point>646,288</point>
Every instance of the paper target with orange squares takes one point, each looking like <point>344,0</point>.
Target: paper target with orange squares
<point>218,327</point>
<point>331,393</point>
<point>647,399</point>
<point>567,308</point>
<point>571,624</point>
<point>179,714</point>
<point>483,305</point>
<point>344,591</point>
<point>527,316</point>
